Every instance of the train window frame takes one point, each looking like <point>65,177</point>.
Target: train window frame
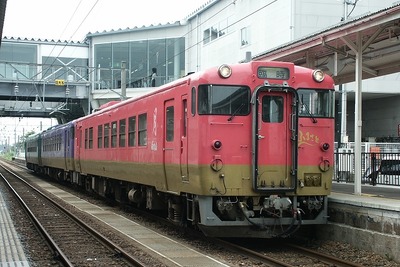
<point>169,123</point>
<point>193,101</point>
<point>106,135</point>
<point>86,138</point>
<point>132,131</point>
<point>142,129</point>
<point>100,136</point>
<point>321,106</point>
<point>272,108</point>
<point>91,138</point>
<point>208,93</point>
<point>122,133</point>
<point>114,131</point>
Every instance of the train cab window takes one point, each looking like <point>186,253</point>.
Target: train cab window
<point>132,131</point>
<point>106,135</point>
<point>169,121</point>
<point>122,134</point>
<point>114,134</point>
<point>100,136</point>
<point>272,108</point>
<point>316,103</point>
<point>142,129</point>
<point>90,137</point>
<point>223,100</point>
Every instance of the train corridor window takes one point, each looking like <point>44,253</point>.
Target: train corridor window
<point>100,136</point>
<point>132,131</point>
<point>169,121</point>
<point>114,134</point>
<point>91,138</point>
<point>223,100</point>
<point>122,134</point>
<point>142,131</point>
<point>272,108</point>
<point>86,138</point>
<point>106,135</point>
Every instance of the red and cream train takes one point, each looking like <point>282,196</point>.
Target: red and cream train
<point>242,150</point>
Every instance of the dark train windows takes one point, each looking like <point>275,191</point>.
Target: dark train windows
<point>114,134</point>
<point>122,134</point>
<point>132,131</point>
<point>193,109</point>
<point>223,100</point>
<point>272,108</point>
<point>169,121</point>
<point>106,135</point>
<point>100,136</point>
<point>142,129</point>
<point>86,138</point>
<point>90,137</point>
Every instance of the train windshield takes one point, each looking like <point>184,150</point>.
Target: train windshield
<point>223,100</point>
<point>316,103</point>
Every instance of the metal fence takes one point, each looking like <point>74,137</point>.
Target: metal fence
<point>376,167</point>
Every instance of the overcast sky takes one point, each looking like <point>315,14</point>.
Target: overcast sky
<point>73,19</point>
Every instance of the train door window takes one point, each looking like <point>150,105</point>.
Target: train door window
<point>272,109</point>
<point>86,138</point>
<point>114,134</point>
<point>100,136</point>
<point>90,137</point>
<point>193,109</point>
<point>122,134</point>
<point>132,131</point>
<point>169,120</point>
<point>106,135</point>
<point>184,116</point>
<point>142,129</point>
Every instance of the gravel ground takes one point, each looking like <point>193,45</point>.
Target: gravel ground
<point>39,256</point>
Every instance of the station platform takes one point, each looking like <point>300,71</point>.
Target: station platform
<point>11,250</point>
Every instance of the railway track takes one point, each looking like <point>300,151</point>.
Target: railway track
<point>74,243</point>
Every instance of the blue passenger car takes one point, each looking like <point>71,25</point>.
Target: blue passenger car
<point>33,152</point>
<point>58,150</point>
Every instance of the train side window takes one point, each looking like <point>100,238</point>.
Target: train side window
<point>106,135</point>
<point>86,138</point>
<point>100,136</point>
<point>169,120</point>
<point>142,131</point>
<point>114,134</point>
<point>193,100</point>
<point>90,137</point>
<point>132,131</point>
<point>122,134</point>
<point>272,109</point>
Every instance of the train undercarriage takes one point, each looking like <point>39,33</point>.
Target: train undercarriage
<point>264,216</point>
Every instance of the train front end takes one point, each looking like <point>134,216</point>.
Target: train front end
<point>266,149</point>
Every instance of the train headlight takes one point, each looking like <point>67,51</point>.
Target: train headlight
<point>225,71</point>
<point>216,144</point>
<point>318,75</point>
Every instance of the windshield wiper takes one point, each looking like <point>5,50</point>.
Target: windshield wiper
<point>314,120</point>
<point>239,108</point>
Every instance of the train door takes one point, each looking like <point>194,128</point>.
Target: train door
<point>275,140</point>
<point>184,140</point>
<point>169,147</point>
<point>78,140</point>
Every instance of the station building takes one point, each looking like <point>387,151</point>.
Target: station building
<point>69,79</point>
